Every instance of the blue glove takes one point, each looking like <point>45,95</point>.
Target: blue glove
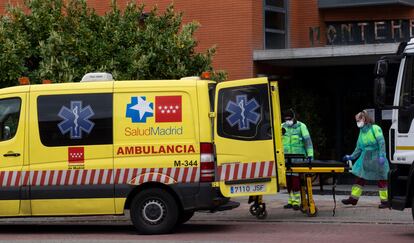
<point>381,160</point>
<point>346,158</point>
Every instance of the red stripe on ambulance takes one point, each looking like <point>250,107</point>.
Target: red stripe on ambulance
<point>26,178</point>
<point>19,174</point>
<point>9,178</point>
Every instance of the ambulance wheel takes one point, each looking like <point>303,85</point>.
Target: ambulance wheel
<point>154,211</point>
<point>184,217</point>
<point>312,214</point>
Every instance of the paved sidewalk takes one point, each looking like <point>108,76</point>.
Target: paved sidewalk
<point>365,212</point>
<point>369,190</point>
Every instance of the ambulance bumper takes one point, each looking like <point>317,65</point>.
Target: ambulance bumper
<point>205,198</point>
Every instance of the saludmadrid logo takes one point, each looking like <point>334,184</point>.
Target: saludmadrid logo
<point>154,131</point>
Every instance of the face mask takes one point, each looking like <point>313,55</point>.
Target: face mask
<point>360,124</point>
<point>289,122</point>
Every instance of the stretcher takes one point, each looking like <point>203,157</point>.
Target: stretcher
<point>306,169</point>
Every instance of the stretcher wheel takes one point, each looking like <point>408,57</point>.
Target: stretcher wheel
<point>254,209</point>
<point>312,214</point>
<point>303,210</point>
<point>262,214</point>
<point>258,210</point>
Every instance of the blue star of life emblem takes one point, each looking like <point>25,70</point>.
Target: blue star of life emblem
<point>243,112</point>
<point>76,119</point>
<point>140,109</point>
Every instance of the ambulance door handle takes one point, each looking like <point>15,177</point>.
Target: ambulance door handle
<point>11,154</point>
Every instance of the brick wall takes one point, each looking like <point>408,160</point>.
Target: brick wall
<point>234,27</point>
<point>369,13</point>
<point>305,14</point>
<point>302,16</point>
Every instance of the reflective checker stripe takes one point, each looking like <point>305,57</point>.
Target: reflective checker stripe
<point>239,171</point>
<point>133,176</point>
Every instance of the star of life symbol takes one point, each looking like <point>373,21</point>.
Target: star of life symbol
<point>243,112</point>
<point>76,119</point>
<point>140,109</point>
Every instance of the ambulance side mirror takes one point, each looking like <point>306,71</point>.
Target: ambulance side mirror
<point>379,91</point>
<point>381,68</point>
<point>380,71</point>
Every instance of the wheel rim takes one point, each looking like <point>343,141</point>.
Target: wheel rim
<point>153,211</point>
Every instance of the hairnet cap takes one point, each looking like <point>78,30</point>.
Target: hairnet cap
<point>288,113</point>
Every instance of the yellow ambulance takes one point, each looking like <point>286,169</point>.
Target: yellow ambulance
<point>161,149</point>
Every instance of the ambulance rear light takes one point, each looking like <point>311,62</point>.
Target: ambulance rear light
<point>206,162</point>
<point>96,77</point>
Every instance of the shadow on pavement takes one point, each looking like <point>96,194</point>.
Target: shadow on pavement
<point>65,229</point>
<point>408,235</point>
<point>204,228</point>
<point>22,229</point>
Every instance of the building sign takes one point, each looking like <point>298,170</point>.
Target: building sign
<point>365,32</point>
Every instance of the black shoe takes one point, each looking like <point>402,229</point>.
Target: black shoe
<point>383,205</point>
<point>349,201</point>
<point>287,206</point>
<point>296,207</point>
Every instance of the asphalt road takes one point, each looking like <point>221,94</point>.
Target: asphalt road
<point>211,231</point>
<point>363,223</point>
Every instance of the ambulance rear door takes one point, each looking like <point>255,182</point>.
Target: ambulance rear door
<point>243,138</point>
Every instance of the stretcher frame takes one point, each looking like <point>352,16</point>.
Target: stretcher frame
<point>308,205</point>
<point>305,169</point>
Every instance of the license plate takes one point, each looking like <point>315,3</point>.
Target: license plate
<point>247,188</point>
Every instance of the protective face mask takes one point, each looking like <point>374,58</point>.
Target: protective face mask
<point>360,124</point>
<point>289,122</point>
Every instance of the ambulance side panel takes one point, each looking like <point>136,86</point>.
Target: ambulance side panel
<point>71,144</point>
<point>156,139</point>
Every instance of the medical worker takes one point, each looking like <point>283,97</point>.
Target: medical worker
<point>372,163</point>
<point>296,140</point>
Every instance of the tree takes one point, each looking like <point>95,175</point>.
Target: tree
<point>62,40</point>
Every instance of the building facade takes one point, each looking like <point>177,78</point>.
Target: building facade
<point>322,52</point>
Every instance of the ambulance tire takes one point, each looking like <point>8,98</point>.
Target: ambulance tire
<point>184,217</point>
<point>154,211</point>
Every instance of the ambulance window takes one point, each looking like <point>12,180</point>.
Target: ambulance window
<point>9,117</point>
<point>243,113</point>
<point>75,119</point>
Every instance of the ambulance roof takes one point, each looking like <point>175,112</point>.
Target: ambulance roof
<point>101,85</point>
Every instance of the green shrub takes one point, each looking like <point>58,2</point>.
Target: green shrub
<point>62,40</point>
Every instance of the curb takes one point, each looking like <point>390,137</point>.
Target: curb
<point>340,192</point>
